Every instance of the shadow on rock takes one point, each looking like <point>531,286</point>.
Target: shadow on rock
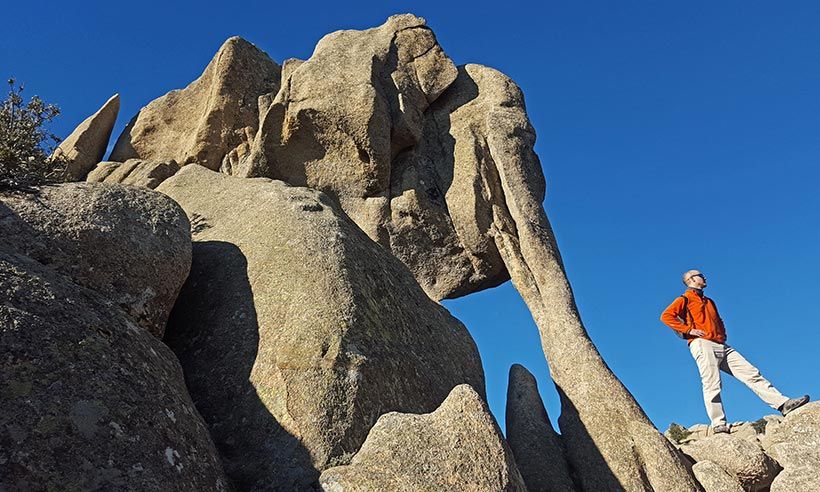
<point>214,332</point>
<point>596,474</point>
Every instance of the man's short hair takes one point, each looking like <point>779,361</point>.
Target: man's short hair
<point>687,274</point>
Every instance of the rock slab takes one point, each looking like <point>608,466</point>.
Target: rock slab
<point>296,331</point>
<point>538,451</point>
<point>131,245</point>
<point>795,443</point>
<point>133,172</point>
<point>458,447</point>
<point>86,145</point>
<point>214,115</point>
<point>713,478</point>
<point>742,459</point>
<point>89,399</point>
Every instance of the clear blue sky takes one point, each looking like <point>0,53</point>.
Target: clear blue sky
<point>673,136</point>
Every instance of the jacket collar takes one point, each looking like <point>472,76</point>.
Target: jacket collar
<point>696,294</point>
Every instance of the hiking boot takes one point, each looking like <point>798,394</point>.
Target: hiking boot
<point>793,404</point>
<point>721,429</point>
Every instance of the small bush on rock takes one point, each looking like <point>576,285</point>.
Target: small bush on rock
<point>759,426</point>
<point>25,145</point>
<point>677,432</point>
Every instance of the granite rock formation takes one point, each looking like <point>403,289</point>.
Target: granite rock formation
<point>213,116</point>
<point>91,400</point>
<point>398,137</point>
<point>538,451</point>
<point>371,132</point>
<point>296,331</point>
<point>795,444</point>
<point>133,172</point>
<point>343,115</point>
<point>607,435</point>
<point>713,478</point>
<point>742,459</point>
<point>131,245</point>
<point>86,145</point>
<point>458,447</point>
<point>789,442</point>
<point>308,312</point>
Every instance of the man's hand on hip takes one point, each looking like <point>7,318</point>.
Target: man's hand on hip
<point>696,333</point>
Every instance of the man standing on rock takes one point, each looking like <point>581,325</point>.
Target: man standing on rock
<point>696,318</point>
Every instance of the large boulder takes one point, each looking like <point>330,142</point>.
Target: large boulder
<point>458,447</point>
<point>86,145</point>
<point>344,115</point>
<point>713,478</point>
<point>396,133</point>
<point>795,443</point>
<point>90,399</point>
<point>457,196</point>
<point>538,451</point>
<point>214,115</point>
<point>296,331</point>
<point>131,245</point>
<point>133,172</point>
<point>742,459</point>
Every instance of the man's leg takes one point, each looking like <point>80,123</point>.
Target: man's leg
<point>708,356</point>
<point>736,365</point>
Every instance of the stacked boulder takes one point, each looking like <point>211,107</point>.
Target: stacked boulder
<point>331,202</point>
<point>297,332</point>
<point>435,163</point>
<point>775,453</point>
<point>91,397</point>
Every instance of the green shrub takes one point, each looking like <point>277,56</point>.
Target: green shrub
<point>677,432</point>
<point>759,426</point>
<point>25,144</point>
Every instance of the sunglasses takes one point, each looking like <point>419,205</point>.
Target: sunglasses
<point>697,275</point>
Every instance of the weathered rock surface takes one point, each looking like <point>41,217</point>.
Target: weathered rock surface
<point>214,115</point>
<point>296,331</point>
<point>605,432</point>
<point>713,478</point>
<point>343,115</point>
<point>795,443</point>
<point>89,400</point>
<point>86,145</point>
<point>457,447</point>
<point>133,172</point>
<point>338,129</point>
<point>131,245</point>
<point>444,191</point>
<point>537,447</point>
<point>797,478</point>
<point>342,127</point>
<point>743,460</point>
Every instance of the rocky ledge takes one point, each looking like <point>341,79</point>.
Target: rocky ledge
<point>774,453</point>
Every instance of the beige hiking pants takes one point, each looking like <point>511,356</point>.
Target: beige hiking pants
<point>712,358</point>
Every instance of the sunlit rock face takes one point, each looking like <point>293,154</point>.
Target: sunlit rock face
<point>457,447</point>
<point>296,331</point>
<point>213,116</point>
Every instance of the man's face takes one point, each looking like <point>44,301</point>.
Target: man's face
<point>696,280</point>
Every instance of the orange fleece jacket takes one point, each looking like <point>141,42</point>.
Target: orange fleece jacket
<point>702,315</point>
